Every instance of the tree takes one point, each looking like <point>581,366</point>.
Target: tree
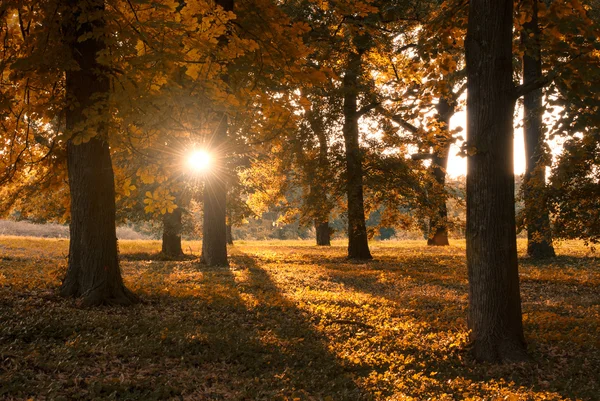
<point>358,245</point>
<point>322,228</point>
<point>318,171</point>
<point>539,234</point>
<point>171,238</point>
<point>214,229</point>
<point>571,29</point>
<point>438,223</point>
<point>494,300</point>
<point>93,272</point>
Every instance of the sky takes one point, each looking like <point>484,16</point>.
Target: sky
<point>457,165</point>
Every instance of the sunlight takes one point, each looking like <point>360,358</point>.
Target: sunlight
<point>199,160</point>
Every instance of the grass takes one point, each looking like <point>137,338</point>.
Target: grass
<point>290,321</point>
<point>53,230</point>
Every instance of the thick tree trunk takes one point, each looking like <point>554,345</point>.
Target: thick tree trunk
<point>494,299</point>
<point>358,245</point>
<point>323,233</point>
<point>438,224</point>
<point>214,230</point>
<point>93,272</point>
<point>539,234</point>
<point>171,238</point>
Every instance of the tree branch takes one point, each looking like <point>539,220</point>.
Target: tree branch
<point>405,124</point>
<point>524,89</point>
<point>365,109</point>
<point>548,78</point>
<point>422,156</point>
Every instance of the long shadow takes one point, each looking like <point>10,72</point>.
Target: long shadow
<point>238,337</point>
<point>261,344</point>
<point>444,301</point>
<point>273,341</point>
<point>153,256</point>
<point>365,276</point>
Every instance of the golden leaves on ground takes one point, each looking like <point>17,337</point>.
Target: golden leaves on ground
<point>290,321</point>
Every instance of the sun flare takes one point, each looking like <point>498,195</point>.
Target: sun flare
<point>199,160</point>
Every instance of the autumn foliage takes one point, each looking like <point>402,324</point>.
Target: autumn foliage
<point>332,116</point>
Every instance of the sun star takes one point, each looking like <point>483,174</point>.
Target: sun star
<point>199,160</point>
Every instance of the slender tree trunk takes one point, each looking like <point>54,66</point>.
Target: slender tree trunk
<point>438,225</point>
<point>229,235</point>
<point>358,245</point>
<point>93,272</point>
<point>539,234</point>
<point>321,180</point>
<point>323,233</point>
<point>214,228</point>
<point>214,231</point>
<point>171,238</point>
<point>494,299</point>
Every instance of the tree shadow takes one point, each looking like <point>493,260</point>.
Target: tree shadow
<point>262,345</point>
<point>153,256</point>
<point>270,340</point>
<point>376,330</point>
<point>432,290</point>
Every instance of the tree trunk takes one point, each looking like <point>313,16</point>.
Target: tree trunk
<point>229,234</point>
<point>358,245</point>
<point>438,224</point>
<point>171,238</point>
<point>93,272</point>
<point>494,299</point>
<point>321,179</point>
<point>214,230</point>
<point>539,234</point>
<point>323,233</point>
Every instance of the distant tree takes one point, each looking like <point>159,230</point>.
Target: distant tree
<point>539,234</point>
<point>214,231</point>
<point>358,245</point>
<point>314,168</point>
<point>574,96</point>
<point>171,237</point>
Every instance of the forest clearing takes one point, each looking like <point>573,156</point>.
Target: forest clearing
<point>291,321</point>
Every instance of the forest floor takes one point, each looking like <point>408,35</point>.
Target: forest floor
<point>290,321</point>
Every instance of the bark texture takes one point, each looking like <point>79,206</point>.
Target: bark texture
<point>93,272</point>
<point>171,238</point>
<point>438,225</point>
<point>214,230</point>
<point>358,245</point>
<point>539,234</point>
<point>494,299</point>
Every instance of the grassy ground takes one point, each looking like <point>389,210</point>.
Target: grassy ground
<point>290,321</point>
<point>52,230</point>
